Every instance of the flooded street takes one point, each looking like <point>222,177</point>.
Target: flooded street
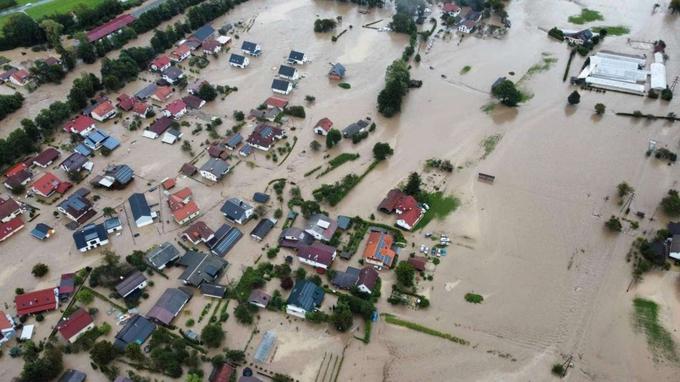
<point>533,243</point>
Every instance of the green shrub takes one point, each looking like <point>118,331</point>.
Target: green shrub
<point>474,298</point>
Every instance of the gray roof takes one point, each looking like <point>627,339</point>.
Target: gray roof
<point>258,296</point>
<point>139,206</point>
<point>338,69</point>
<point>122,173</point>
<point>201,267</point>
<point>235,209</point>
<point>301,238</point>
<point>344,222</point>
<point>306,295</point>
<point>280,84</point>
<point>159,256</point>
<point>675,244</point>
<point>260,197</point>
<point>296,56</point>
<point>236,59</point>
<point>287,71</point>
<point>172,73</point>
<point>130,283</point>
<point>111,223</point>
<point>136,330</point>
<point>169,304</point>
<point>262,228</point>
<point>146,91</point>
<point>322,225</point>
<point>354,128</point>
<point>234,140</point>
<point>216,166</point>
<point>74,162</point>
<point>89,232</point>
<point>72,375</point>
<point>203,33</point>
<point>214,290</point>
<point>76,205</point>
<point>224,240</point>
<point>346,279</point>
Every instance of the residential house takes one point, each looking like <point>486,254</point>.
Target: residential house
<point>293,237</point>
<point>379,250</point>
<point>171,136</point>
<point>17,168</point>
<point>262,228</point>
<point>418,263</point>
<point>451,9</point>
<point>168,305</point>
<point>213,290</point>
<point>72,375</point>
<point>4,76</point>
<point>251,48</point>
<point>116,176</point>
<point>136,281</point>
<point>223,40</point>
<point>76,162</point>
<point>162,93</point>
<point>183,208</point>
<point>282,86</point>
<point>337,72</point>
<point>95,139</point>
<point>580,37</point>
<point>172,74</point>
<point>142,109</point>
<point>195,86</point>
<point>141,212</point>
<point>222,373</point>
<point>234,141</point>
<point>276,102</point>
<point>260,197</point>
<point>77,206</point>
<point>295,57</point>
<point>211,46</point>
<point>90,237</point>
<point>19,179</point>
<point>42,231</point>
<point>146,92</point>
<point>160,256</point>
<point>409,213</point>
<point>259,298</point>
<point>467,26</point>
<point>7,331</point>
<point>103,111</point>
<point>46,185</point>
<point>158,127</point>
<point>188,169</point>
<point>264,137</point>
<point>323,126</point>
<point>136,331</point>
<point>175,109</point>
<point>67,285</point>
<point>180,53</point>
<point>125,102</point>
<point>160,63</point>
<point>38,301</point>
<point>355,128</point>
<point>288,73</point>
<point>193,102</point>
<point>214,169</point>
<point>237,210</point>
<point>200,268</point>
<point>389,204</point>
<point>238,61</point>
<point>317,255</point>
<point>112,224</point>
<point>368,279</point>
<point>321,227</point>
<point>110,27</point>
<point>20,77</point>
<point>268,114</point>
<point>344,222</point>
<point>674,250</point>
<point>10,228</point>
<point>9,209</point>
<point>305,297</point>
<point>203,33</point>
<point>347,279</point>
<point>75,325</point>
<point>81,124</point>
<point>198,232</point>
<point>46,157</point>
<point>224,240</point>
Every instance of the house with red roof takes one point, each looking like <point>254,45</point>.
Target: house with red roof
<point>160,63</point>
<point>180,53</point>
<point>9,209</point>
<point>17,168</point>
<point>175,109</point>
<point>379,250</point>
<point>75,325</point>
<point>103,111</point>
<point>264,137</point>
<point>368,277</point>
<point>46,185</point>
<point>20,78</point>
<point>183,208</point>
<point>323,126</point>
<point>222,373</point>
<point>162,93</point>
<point>7,331</point>
<point>275,101</point>
<point>125,102</point>
<point>408,211</point>
<point>198,232</point>
<point>10,228</point>
<point>37,301</point>
<point>141,108</point>
<point>81,124</point>
<point>211,46</point>
<point>110,27</point>
<point>46,157</point>
<point>318,255</point>
<point>451,9</point>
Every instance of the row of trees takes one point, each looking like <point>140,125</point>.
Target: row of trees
<point>397,78</point>
<point>164,12</point>
<point>10,103</point>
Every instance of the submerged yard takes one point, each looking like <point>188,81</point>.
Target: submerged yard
<point>659,339</point>
<point>440,207</point>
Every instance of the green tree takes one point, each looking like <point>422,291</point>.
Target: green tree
<point>207,92</point>
<point>45,368</point>
<point>381,151</point>
<point>405,274</point>
<point>212,335</point>
<point>671,203</point>
<point>103,352</point>
<point>134,352</point>
<point>413,184</point>
<point>40,270</point>
<point>342,317</point>
<point>324,25</point>
<point>624,189</point>
<point>109,211</point>
<point>234,356</point>
<point>613,224</point>
<point>243,313</point>
<point>574,98</point>
<point>674,6</point>
<point>85,50</point>
<point>334,136</point>
<point>600,108</point>
<point>21,30</point>
<point>315,145</point>
<point>666,94</point>
<point>85,296</point>
<point>53,32</point>
<point>507,93</point>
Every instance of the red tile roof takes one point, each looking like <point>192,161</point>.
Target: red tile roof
<point>183,193</point>
<point>169,183</point>
<point>379,248</point>
<point>125,102</point>
<point>4,322</point>
<point>198,231</point>
<point>389,204</point>
<point>103,108</point>
<point>411,216</point>
<point>163,92</point>
<point>36,301</point>
<point>276,102</point>
<point>223,374</point>
<point>210,45</point>
<point>140,107</point>
<point>63,187</point>
<point>325,124</point>
<point>21,75</point>
<point>180,51</point>
<point>74,324</point>
<point>46,157</point>
<point>106,29</point>
<point>185,211</point>
<point>160,61</point>
<point>17,168</point>
<point>47,184</point>
<point>10,228</point>
<point>418,262</point>
<point>175,107</point>
<point>451,7</point>
<point>407,202</point>
<point>79,124</point>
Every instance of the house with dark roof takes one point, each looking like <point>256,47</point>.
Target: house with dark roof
<point>9,209</point>
<point>38,301</point>
<point>213,290</point>
<point>168,305</point>
<point>264,137</point>
<point>158,127</point>
<point>172,74</point>
<point>110,27</point>
<point>418,262</point>
<point>222,373</point>
<point>77,206</point>
<point>19,179</point>
<point>337,72</point>
<point>90,237</point>
<point>224,240</point>
<point>389,204</point>
<point>251,48</point>
<point>72,375</point>
<point>282,86</point>
<point>305,297</point>
<point>42,231</point>
<point>136,331</point>
<point>76,162</point>
<point>136,281</point>
<point>451,9</point>
<point>146,92</point>
<point>268,114</point>
<point>259,298</point>
<point>160,256</point>
<point>260,197</point>
<point>211,46</point>
<point>288,73</point>
<point>46,157</point>
<point>347,279</point>
<point>193,102</point>
<point>234,141</point>
<point>75,325</point>
<point>355,128</point>
<point>321,227</point>
<point>317,255</point>
<point>293,237</point>
<point>141,212</point>
<point>214,169</point>
<point>237,210</point>
<point>125,102</point>
<point>262,228</point>
<point>67,285</point>
<point>238,61</point>
<point>116,176</point>
<point>112,224</point>
<point>295,57</point>
<point>579,37</point>
<point>7,330</point>
<point>203,33</point>
<point>198,232</point>
<point>200,268</point>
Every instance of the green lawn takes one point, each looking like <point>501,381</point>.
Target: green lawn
<point>659,339</point>
<point>55,6</point>
<point>586,16</point>
<point>440,206</point>
<point>616,30</point>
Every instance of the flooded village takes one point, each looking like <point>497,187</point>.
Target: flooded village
<point>317,190</point>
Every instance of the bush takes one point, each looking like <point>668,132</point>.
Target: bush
<point>85,296</point>
<point>238,115</point>
<point>507,93</point>
<point>666,94</point>
<point>324,25</point>
<point>556,34</point>
<point>212,335</point>
<point>40,270</point>
<point>671,203</point>
<point>295,111</point>
<point>574,98</point>
<point>243,313</point>
<point>558,370</point>
<point>381,151</point>
<point>345,85</point>
<point>613,224</point>
<point>474,298</point>
<point>334,136</point>
<point>600,108</point>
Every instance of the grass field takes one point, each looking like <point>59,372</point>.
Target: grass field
<point>659,339</point>
<point>617,30</point>
<point>586,16</point>
<point>440,206</point>
<point>55,6</point>
<point>391,319</point>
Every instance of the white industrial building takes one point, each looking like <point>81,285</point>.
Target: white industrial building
<point>657,71</point>
<point>624,72</point>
